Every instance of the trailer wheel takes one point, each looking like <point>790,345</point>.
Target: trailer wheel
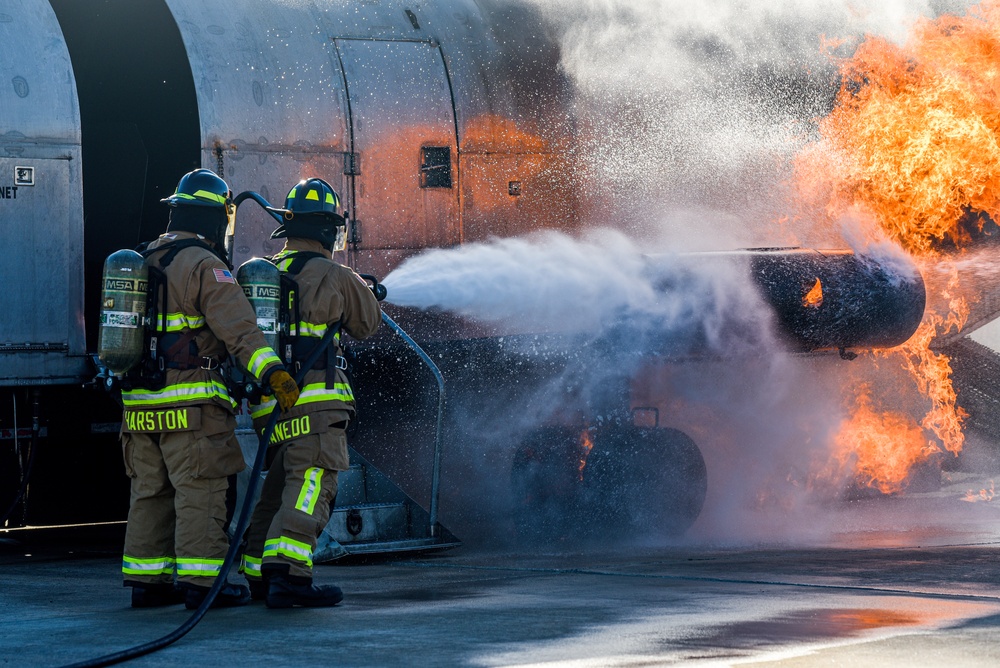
<point>644,482</point>
<point>545,484</point>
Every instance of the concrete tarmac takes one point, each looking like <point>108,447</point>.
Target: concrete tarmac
<point>880,596</point>
<point>878,581</point>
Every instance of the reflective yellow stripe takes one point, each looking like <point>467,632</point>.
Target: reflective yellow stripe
<point>263,409</point>
<point>308,329</point>
<point>309,493</point>
<point>202,194</point>
<point>179,321</point>
<point>206,567</point>
<point>319,392</point>
<point>310,394</point>
<point>289,547</point>
<point>313,194</point>
<point>251,566</point>
<point>178,393</point>
<point>260,359</point>
<point>154,566</point>
<point>304,328</point>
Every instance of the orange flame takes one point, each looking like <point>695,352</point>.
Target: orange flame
<point>586,445</point>
<point>987,494</point>
<point>883,447</point>
<point>814,298</point>
<point>915,133</point>
<point>914,140</point>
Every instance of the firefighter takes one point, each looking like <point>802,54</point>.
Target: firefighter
<point>309,445</point>
<point>178,425</point>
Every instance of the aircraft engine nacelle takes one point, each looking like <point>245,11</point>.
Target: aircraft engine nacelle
<point>817,300</point>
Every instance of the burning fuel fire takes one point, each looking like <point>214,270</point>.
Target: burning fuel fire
<point>814,298</point>
<point>882,446</point>
<point>986,494</point>
<point>914,142</point>
<point>586,445</point>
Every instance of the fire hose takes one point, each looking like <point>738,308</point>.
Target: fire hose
<point>140,650</point>
<point>241,526</point>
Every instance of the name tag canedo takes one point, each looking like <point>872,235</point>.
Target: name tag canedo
<point>161,420</point>
<point>288,429</point>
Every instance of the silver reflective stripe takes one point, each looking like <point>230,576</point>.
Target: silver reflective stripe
<point>288,547</point>
<point>199,566</point>
<point>310,490</point>
<point>154,566</point>
<point>260,359</point>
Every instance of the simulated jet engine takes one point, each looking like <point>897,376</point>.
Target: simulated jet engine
<point>828,299</point>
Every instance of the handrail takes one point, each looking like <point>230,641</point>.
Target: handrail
<point>436,474</point>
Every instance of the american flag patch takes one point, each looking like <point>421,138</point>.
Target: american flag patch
<point>223,276</point>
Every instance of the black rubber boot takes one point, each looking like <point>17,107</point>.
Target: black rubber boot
<point>156,595</point>
<point>230,596</point>
<point>287,591</point>
<point>258,588</point>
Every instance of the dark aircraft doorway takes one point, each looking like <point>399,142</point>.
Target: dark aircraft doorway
<point>403,131</point>
<point>140,124</point>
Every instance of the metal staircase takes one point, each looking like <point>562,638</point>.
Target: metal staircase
<point>374,516</point>
<point>976,375</point>
<point>371,514</point>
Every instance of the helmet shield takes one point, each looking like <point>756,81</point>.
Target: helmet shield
<point>312,196</point>
<point>311,213</point>
<point>201,187</point>
<point>340,242</point>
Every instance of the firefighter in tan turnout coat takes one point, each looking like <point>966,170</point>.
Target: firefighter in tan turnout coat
<point>178,425</point>
<point>309,445</point>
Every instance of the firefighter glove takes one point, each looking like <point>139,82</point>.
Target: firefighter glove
<point>284,389</point>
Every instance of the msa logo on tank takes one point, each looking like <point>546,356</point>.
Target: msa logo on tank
<point>262,292</point>
<point>121,291</point>
<point>126,284</point>
<point>261,284</point>
<point>123,310</point>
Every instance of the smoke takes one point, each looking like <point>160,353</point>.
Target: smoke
<point>690,115</point>
<point>668,44</point>
<point>760,417</point>
<point>868,239</point>
<point>699,107</point>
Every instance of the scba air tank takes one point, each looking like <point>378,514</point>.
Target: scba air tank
<point>123,311</point>
<point>261,282</point>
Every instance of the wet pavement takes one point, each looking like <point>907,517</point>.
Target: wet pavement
<point>893,597</point>
<point>888,581</point>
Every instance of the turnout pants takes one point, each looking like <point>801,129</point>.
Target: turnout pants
<point>295,499</point>
<point>178,511</point>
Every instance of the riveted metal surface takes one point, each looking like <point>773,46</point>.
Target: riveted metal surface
<point>401,102</point>
<point>288,90</point>
<point>41,331</point>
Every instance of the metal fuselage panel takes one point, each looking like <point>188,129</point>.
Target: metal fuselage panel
<point>42,328</point>
<point>361,94</point>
